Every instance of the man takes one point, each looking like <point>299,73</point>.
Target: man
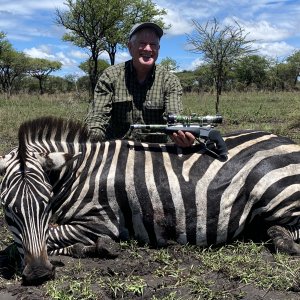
<point>137,91</point>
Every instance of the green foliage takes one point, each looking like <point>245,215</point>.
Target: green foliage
<point>294,61</point>
<point>86,66</point>
<point>188,80</point>
<point>40,68</point>
<point>5,45</point>
<point>66,289</point>
<point>221,47</point>
<point>169,63</point>
<point>13,64</point>
<point>120,284</point>
<point>252,69</point>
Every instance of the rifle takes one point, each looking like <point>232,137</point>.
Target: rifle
<point>202,127</point>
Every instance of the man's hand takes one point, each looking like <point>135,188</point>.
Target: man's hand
<point>183,139</point>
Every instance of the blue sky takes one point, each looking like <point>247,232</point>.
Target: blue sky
<point>29,26</point>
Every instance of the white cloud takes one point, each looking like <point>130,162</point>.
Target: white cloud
<point>181,13</point>
<point>195,64</point>
<point>42,52</point>
<point>178,25</point>
<point>261,30</point>
<point>275,50</point>
<point>79,54</point>
<point>28,7</point>
<point>45,52</point>
<point>122,56</point>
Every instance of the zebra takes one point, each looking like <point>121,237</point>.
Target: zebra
<point>63,194</point>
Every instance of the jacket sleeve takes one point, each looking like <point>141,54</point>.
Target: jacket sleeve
<point>99,113</point>
<point>173,96</point>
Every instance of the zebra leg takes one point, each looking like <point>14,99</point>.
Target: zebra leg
<point>283,240</point>
<point>105,247</point>
<point>80,245</point>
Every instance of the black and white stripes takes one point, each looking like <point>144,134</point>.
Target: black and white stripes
<point>150,192</point>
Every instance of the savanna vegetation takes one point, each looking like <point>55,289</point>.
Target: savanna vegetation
<point>275,112</point>
<point>242,270</point>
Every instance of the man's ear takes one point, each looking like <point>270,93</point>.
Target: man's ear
<point>55,160</point>
<point>129,46</point>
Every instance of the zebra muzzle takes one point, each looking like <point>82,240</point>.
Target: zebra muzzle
<point>37,273</point>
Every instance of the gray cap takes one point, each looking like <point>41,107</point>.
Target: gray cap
<point>140,26</point>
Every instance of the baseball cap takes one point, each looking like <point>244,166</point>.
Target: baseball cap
<point>140,26</point>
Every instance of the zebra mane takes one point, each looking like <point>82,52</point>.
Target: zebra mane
<point>41,129</point>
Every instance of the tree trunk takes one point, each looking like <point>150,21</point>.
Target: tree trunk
<point>41,86</point>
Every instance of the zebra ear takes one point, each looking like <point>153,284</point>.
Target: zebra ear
<point>4,163</point>
<point>55,160</point>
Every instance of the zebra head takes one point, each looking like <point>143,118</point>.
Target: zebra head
<point>26,193</point>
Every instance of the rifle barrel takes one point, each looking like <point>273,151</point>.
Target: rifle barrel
<point>151,126</point>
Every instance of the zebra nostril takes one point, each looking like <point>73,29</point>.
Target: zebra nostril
<point>37,275</point>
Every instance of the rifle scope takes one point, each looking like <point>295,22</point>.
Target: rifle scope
<point>172,119</point>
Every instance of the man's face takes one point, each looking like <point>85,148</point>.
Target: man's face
<point>144,48</point>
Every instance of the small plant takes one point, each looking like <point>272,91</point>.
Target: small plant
<point>162,256</point>
<point>115,285</point>
<point>135,284</point>
<point>171,296</point>
<point>66,289</point>
<point>119,285</point>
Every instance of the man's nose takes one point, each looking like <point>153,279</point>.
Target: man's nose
<point>148,47</point>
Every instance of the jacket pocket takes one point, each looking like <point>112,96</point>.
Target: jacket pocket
<point>122,110</point>
<point>153,111</point>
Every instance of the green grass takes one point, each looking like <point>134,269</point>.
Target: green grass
<point>275,112</point>
<point>243,263</point>
<point>16,110</point>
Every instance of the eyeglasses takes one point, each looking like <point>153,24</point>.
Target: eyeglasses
<point>153,46</point>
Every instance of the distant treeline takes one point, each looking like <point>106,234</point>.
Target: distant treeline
<point>252,72</point>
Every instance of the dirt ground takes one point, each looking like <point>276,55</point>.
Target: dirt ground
<point>169,274</point>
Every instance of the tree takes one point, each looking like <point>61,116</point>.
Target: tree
<point>99,25</point>
<point>252,69</point>
<point>13,64</point>
<point>205,79</point>
<point>4,44</point>
<point>188,80</point>
<point>40,68</point>
<point>169,63</point>
<point>294,61</point>
<point>221,47</point>
<point>101,66</point>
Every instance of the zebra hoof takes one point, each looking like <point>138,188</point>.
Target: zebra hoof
<point>162,243</point>
<point>78,250</point>
<point>107,248</point>
<point>283,240</point>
